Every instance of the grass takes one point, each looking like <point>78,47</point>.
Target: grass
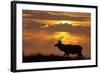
<point>41,58</point>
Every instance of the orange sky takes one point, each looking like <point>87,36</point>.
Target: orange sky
<point>41,30</point>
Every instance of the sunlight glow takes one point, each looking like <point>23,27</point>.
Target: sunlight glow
<point>63,22</point>
<point>61,34</point>
<point>67,38</point>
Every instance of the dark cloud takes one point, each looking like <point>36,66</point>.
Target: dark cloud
<point>69,28</point>
<point>33,26</point>
<point>36,26</point>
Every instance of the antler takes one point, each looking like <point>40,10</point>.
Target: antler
<point>60,38</point>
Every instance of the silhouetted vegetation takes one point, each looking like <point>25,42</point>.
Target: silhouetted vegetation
<point>41,58</point>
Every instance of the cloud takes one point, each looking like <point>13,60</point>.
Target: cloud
<point>69,28</point>
<point>77,30</point>
<point>44,15</point>
<point>33,26</point>
<point>37,45</point>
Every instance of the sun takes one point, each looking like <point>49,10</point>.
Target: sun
<point>63,22</point>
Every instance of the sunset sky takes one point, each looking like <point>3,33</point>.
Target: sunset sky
<point>41,30</point>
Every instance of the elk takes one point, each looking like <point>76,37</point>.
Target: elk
<point>69,48</point>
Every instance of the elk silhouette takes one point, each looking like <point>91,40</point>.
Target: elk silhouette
<point>69,48</point>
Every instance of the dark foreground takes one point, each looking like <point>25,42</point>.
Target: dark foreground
<point>41,58</point>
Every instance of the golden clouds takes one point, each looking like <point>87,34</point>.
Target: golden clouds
<point>52,18</point>
<point>59,22</point>
<point>67,16</point>
<point>74,14</point>
<point>31,35</point>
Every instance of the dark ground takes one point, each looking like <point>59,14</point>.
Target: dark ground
<point>40,58</point>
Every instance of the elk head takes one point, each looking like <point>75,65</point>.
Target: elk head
<point>59,41</point>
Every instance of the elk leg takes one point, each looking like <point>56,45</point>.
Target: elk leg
<point>81,56</point>
<point>68,55</point>
<point>64,54</point>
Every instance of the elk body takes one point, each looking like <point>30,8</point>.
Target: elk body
<point>69,49</point>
